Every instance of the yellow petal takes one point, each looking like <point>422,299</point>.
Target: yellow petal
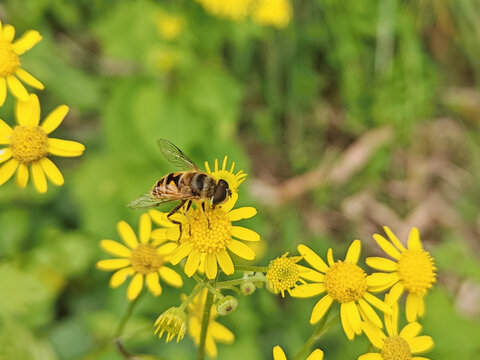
<point>394,239</point>
<point>5,154</point>
<point>119,277</point>
<point>420,344</point>
<point>421,305</point>
<point>278,353</point>
<point>380,263</point>
<point>309,274</point>
<point>312,258</point>
<point>307,290</point>
<point>321,308</point>
<point>115,248</point>
<point>353,317</point>
<point>411,330</point>
<point>245,234</point>
<point>382,280</point>
<point>153,283</point>
<point>26,41</point>
<point>126,233</point>
<point>242,213</point>
<point>145,228</point>
<point>65,148</point>
<point>211,266</point>
<point>414,239</point>
<point>240,249</point>
<point>395,293</point>
<point>22,176</point>
<point>160,218</point>
<point>330,259</point>
<point>112,264</point>
<point>374,334</point>
<point>347,328</point>
<point>3,90</point>
<point>411,307</point>
<point>167,249</point>
<point>135,287</point>
<point>8,33</point>
<point>52,171</point>
<point>211,347</point>
<point>38,177</point>
<point>225,262</point>
<point>54,119</point>
<point>7,170</point>
<point>29,79</point>
<point>379,304</point>
<point>370,313</point>
<point>192,263</point>
<point>353,252</point>
<point>220,333</point>
<point>317,354</point>
<point>182,251</point>
<point>386,246</point>
<point>170,276</point>
<point>229,205</point>
<point>17,89</point>
<point>5,129</point>
<point>391,320</point>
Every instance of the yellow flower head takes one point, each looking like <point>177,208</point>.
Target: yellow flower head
<point>28,145</point>
<point>278,354</point>
<point>272,13</point>
<point>10,66</point>
<point>206,236</point>
<point>344,282</point>
<point>173,322</point>
<point>395,346</point>
<point>412,271</point>
<point>233,180</point>
<point>236,10</point>
<point>169,26</point>
<point>284,274</point>
<point>216,331</point>
<point>144,260</point>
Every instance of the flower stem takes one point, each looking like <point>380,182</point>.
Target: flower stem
<point>263,269</point>
<point>205,322</point>
<point>228,283</point>
<point>206,284</point>
<point>190,297</point>
<point>321,329</point>
<point>126,316</point>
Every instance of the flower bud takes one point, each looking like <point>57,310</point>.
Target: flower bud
<point>226,305</point>
<point>248,288</point>
<point>174,322</point>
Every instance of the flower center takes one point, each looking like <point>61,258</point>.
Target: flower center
<point>9,61</point>
<point>145,259</point>
<point>282,274</point>
<point>28,144</point>
<point>212,235</point>
<point>345,282</point>
<point>416,270</point>
<point>396,348</point>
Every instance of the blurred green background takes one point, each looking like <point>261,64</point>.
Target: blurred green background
<point>356,115</point>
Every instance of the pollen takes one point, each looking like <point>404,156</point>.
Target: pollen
<point>345,282</point>
<point>416,270</point>
<point>9,61</point>
<point>145,259</point>
<point>396,348</point>
<point>210,231</point>
<point>283,273</point>
<point>28,144</point>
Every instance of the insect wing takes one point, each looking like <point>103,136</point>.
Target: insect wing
<point>176,156</point>
<point>146,201</point>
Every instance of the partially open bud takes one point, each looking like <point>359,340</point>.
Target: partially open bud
<point>248,288</point>
<point>174,322</point>
<point>226,305</point>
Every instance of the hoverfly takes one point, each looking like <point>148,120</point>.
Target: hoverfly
<point>189,184</point>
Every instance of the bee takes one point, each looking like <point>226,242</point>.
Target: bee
<point>189,184</point>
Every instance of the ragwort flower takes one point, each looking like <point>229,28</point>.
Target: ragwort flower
<point>10,66</point>
<point>236,10</point>
<point>144,260</point>
<point>278,354</point>
<point>413,271</point>
<point>272,13</point>
<point>394,345</point>
<point>206,236</point>
<point>344,282</point>
<point>173,322</point>
<point>29,144</point>
<point>216,332</point>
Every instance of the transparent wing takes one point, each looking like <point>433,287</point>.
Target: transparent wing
<point>146,201</point>
<point>176,156</point>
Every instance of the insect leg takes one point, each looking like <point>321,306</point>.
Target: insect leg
<point>205,213</point>
<point>189,203</point>
<point>173,211</point>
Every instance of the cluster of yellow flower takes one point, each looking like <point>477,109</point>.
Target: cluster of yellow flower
<point>201,241</point>
<point>277,13</point>
<point>27,144</point>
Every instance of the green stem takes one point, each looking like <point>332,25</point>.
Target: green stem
<point>263,269</point>
<point>321,329</point>
<point>228,283</point>
<point>208,286</point>
<point>190,297</point>
<point>123,321</point>
<point>205,322</point>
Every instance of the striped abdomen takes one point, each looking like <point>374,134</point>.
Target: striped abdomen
<point>184,185</point>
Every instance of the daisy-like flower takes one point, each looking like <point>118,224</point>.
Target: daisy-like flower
<point>284,274</point>
<point>412,271</point>
<point>344,282</point>
<point>276,13</point>
<point>206,236</point>
<point>28,145</point>
<point>173,322</point>
<point>395,346</point>
<point>144,260</point>
<point>10,66</point>
<point>216,332</point>
<point>278,354</point>
<point>236,10</point>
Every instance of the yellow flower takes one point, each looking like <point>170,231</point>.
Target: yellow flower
<point>29,144</point>
<point>278,354</point>
<point>272,12</point>
<point>169,26</point>
<point>10,66</point>
<point>284,274</point>
<point>216,331</point>
<point>173,322</point>
<point>206,237</point>
<point>344,282</point>
<point>413,271</point>
<point>395,346</point>
<point>143,260</point>
<point>236,10</point>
